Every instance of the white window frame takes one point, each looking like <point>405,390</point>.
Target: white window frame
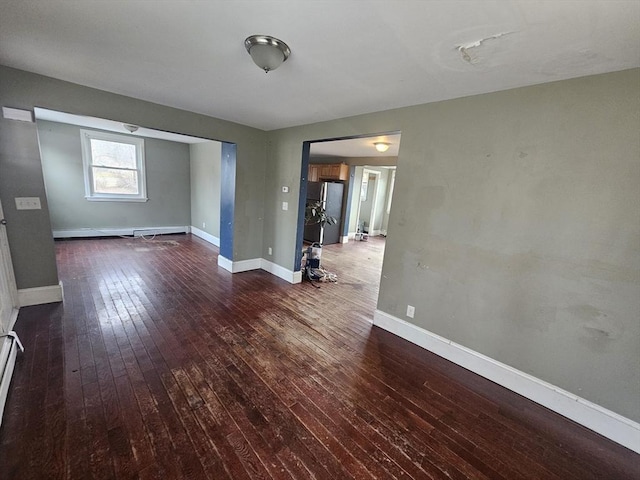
<point>87,163</point>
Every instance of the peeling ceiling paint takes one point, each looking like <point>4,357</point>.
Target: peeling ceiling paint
<point>465,49</point>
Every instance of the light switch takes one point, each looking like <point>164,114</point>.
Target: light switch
<point>285,189</point>
<point>28,203</point>
<point>285,205</point>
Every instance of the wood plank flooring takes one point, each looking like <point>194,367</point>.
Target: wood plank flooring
<point>160,364</point>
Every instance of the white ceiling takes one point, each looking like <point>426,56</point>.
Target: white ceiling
<point>357,147</point>
<point>348,56</point>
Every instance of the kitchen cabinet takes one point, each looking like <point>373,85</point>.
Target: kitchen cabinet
<point>328,171</point>
<point>314,173</point>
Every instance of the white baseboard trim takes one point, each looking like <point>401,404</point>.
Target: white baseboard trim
<point>246,265</point>
<point>114,232</point>
<point>239,266</point>
<point>620,429</point>
<point>259,264</point>
<point>344,239</point>
<point>288,275</point>
<point>205,236</point>
<point>139,232</point>
<point>225,263</point>
<point>39,295</point>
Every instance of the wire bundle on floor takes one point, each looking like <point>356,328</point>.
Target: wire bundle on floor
<point>321,275</point>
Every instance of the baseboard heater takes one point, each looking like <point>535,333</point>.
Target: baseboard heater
<point>9,346</point>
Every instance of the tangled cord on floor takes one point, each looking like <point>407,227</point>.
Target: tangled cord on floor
<point>319,275</point>
<point>322,275</point>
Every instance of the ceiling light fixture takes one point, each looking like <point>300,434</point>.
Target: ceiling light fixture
<point>267,52</point>
<point>381,146</point>
<point>131,128</point>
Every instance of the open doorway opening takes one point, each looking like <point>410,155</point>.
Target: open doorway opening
<point>354,183</point>
<point>105,178</point>
<point>374,201</point>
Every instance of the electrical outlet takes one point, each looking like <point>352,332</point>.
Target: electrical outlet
<point>285,205</point>
<point>411,311</point>
<point>204,225</point>
<point>270,251</point>
<point>28,203</point>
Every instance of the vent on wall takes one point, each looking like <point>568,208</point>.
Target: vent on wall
<point>17,114</point>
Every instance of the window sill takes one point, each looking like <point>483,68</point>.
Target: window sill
<point>117,199</point>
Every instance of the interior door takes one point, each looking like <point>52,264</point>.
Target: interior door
<point>8,292</point>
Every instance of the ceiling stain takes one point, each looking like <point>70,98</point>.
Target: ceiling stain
<point>466,50</point>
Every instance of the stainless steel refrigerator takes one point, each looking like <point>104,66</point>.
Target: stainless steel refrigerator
<point>330,193</point>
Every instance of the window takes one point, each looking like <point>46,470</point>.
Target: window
<point>113,167</point>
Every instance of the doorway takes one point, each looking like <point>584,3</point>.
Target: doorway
<point>191,180</point>
<point>367,187</point>
<point>367,205</point>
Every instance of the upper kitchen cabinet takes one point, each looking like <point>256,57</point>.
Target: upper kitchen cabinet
<point>328,171</point>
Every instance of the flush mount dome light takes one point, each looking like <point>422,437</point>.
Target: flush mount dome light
<point>267,52</point>
<point>131,128</point>
<point>381,146</point>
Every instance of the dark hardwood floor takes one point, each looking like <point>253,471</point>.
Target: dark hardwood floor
<point>160,364</point>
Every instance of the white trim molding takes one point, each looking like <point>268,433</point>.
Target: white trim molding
<point>240,265</point>
<point>207,237</point>
<point>40,295</point>
<point>225,263</point>
<point>115,232</point>
<point>89,165</point>
<point>620,429</point>
<point>259,264</point>
<point>288,275</point>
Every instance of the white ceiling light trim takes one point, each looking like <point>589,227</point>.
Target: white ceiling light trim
<point>267,52</point>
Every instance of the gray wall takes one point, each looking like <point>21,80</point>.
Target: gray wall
<point>527,206</point>
<point>167,172</point>
<point>514,228</point>
<point>206,161</point>
<point>21,174</point>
